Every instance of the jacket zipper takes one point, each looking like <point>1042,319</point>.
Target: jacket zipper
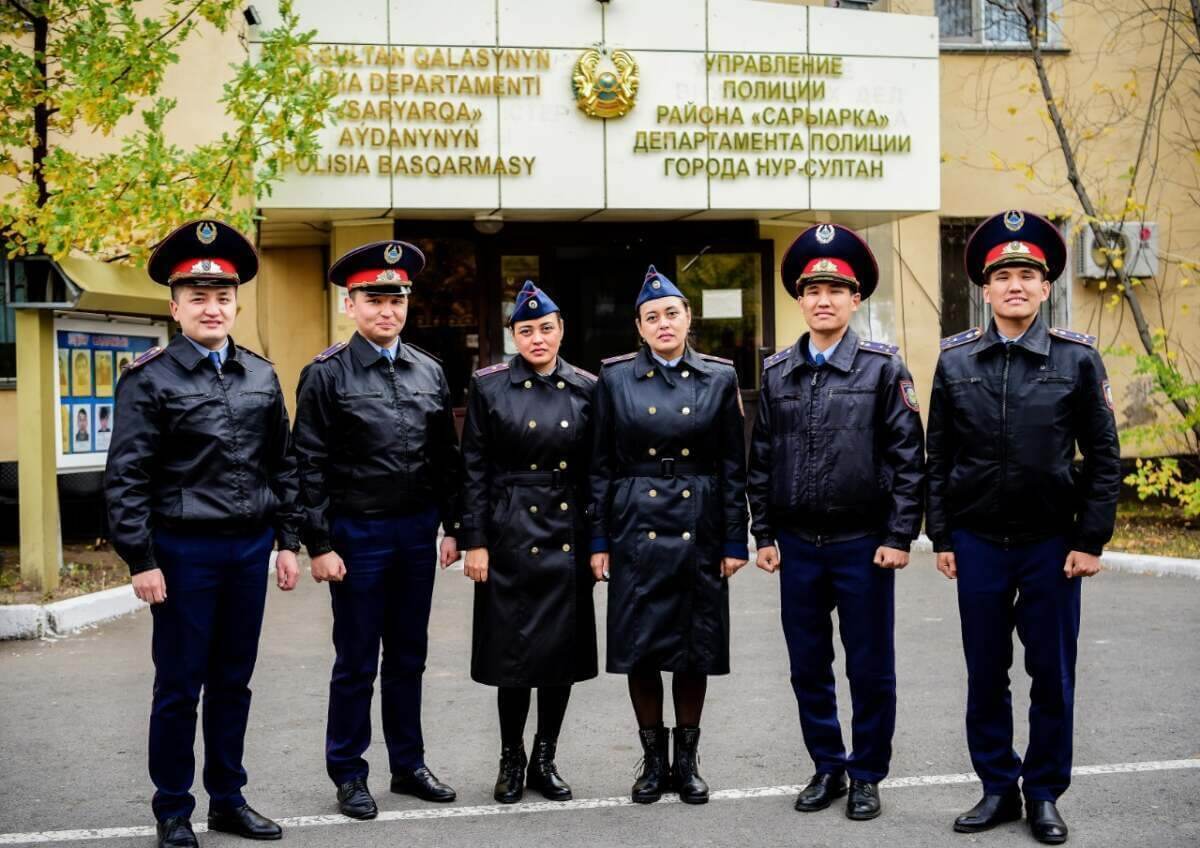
<point>812,439</point>
<point>1004,422</point>
<point>233,433</point>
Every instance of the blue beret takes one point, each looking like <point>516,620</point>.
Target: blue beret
<point>381,267</point>
<point>655,286</point>
<point>829,253</point>
<point>532,303</point>
<point>1015,237</point>
<point>203,253</point>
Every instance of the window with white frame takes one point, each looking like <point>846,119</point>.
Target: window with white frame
<point>994,23</point>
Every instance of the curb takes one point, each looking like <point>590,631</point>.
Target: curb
<point>1157,566</point>
<point>61,618</point>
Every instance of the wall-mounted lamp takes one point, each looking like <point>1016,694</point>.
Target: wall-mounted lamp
<point>253,18</point>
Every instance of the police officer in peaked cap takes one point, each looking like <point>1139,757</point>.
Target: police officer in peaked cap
<point>380,469</point>
<point>1012,517</point>
<point>201,485</point>
<point>835,487</point>
<point>526,442</point>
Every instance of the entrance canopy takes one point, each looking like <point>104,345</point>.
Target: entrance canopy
<point>544,110</point>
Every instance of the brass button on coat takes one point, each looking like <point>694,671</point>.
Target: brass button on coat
<point>651,535</point>
<point>532,425</point>
<point>654,493</point>
<point>687,493</point>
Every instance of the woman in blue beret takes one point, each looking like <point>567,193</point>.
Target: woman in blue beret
<point>669,527</point>
<point>526,441</point>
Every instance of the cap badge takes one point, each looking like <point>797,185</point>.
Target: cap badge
<point>825,233</point>
<point>205,266</point>
<point>1014,219</point>
<point>392,254</point>
<point>387,276</point>
<point>532,304</point>
<point>1016,247</point>
<point>656,285</point>
<point>206,232</point>
<point>825,266</point>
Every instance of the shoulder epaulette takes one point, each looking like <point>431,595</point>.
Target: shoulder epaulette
<point>708,357</point>
<point>613,360</point>
<point>878,347</point>
<point>587,374</point>
<point>1073,336</point>
<point>776,358</point>
<point>144,358</point>
<point>328,352</point>
<point>255,354</point>
<point>424,351</point>
<point>492,369</point>
<point>962,338</point>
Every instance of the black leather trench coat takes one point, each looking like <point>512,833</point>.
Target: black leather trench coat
<point>526,441</point>
<point>669,492</point>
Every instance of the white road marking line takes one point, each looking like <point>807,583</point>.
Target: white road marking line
<point>425,813</point>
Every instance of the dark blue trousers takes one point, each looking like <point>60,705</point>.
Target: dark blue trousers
<point>205,637</point>
<point>1020,586</point>
<point>815,580</point>
<point>384,599</point>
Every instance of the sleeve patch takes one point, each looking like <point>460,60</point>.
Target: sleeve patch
<point>328,352</point>
<point>878,347</point>
<point>1073,336</point>
<point>1108,394</point>
<point>492,369</point>
<point>908,394</point>
<point>961,338</point>
<point>144,358</point>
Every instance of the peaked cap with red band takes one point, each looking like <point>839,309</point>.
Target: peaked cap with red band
<point>829,253</point>
<point>381,267</point>
<point>1018,238</point>
<point>203,253</point>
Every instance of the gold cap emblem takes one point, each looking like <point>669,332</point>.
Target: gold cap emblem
<point>206,232</point>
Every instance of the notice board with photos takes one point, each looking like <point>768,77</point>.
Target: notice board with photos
<point>90,357</point>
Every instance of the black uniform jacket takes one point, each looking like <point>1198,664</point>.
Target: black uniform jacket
<point>526,442</point>
<point>837,450</point>
<point>199,451</point>
<point>1004,423</point>
<point>669,492</point>
<point>374,438</point>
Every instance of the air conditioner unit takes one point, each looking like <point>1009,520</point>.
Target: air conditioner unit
<point>1138,245</point>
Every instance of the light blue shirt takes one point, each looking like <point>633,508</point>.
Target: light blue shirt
<point>669,363</point>
<point>392,349</point>
<point>827,352</point>
<point>1006,339</point>
<point>222,351</point>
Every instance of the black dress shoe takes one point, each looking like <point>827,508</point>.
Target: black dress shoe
<point>863,803</point>
<point>176,833</point>
<point>244,821</point>
<point>543,773</point>
<point>355,801</point>
<point>510,779</point>
<point>421,783</point>
<point>1045,823</point>
<point>820,792</point>
<point>989,812</point>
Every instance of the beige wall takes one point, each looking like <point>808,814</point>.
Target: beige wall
<point>293,315</point>
<point>8,425</point>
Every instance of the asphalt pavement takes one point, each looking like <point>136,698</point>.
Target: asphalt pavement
<point>73,716</point>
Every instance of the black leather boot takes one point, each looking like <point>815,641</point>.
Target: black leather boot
<point>686,771</point>
<point>655,777</point>
<point>543,774</point>
<point>510,780</point>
